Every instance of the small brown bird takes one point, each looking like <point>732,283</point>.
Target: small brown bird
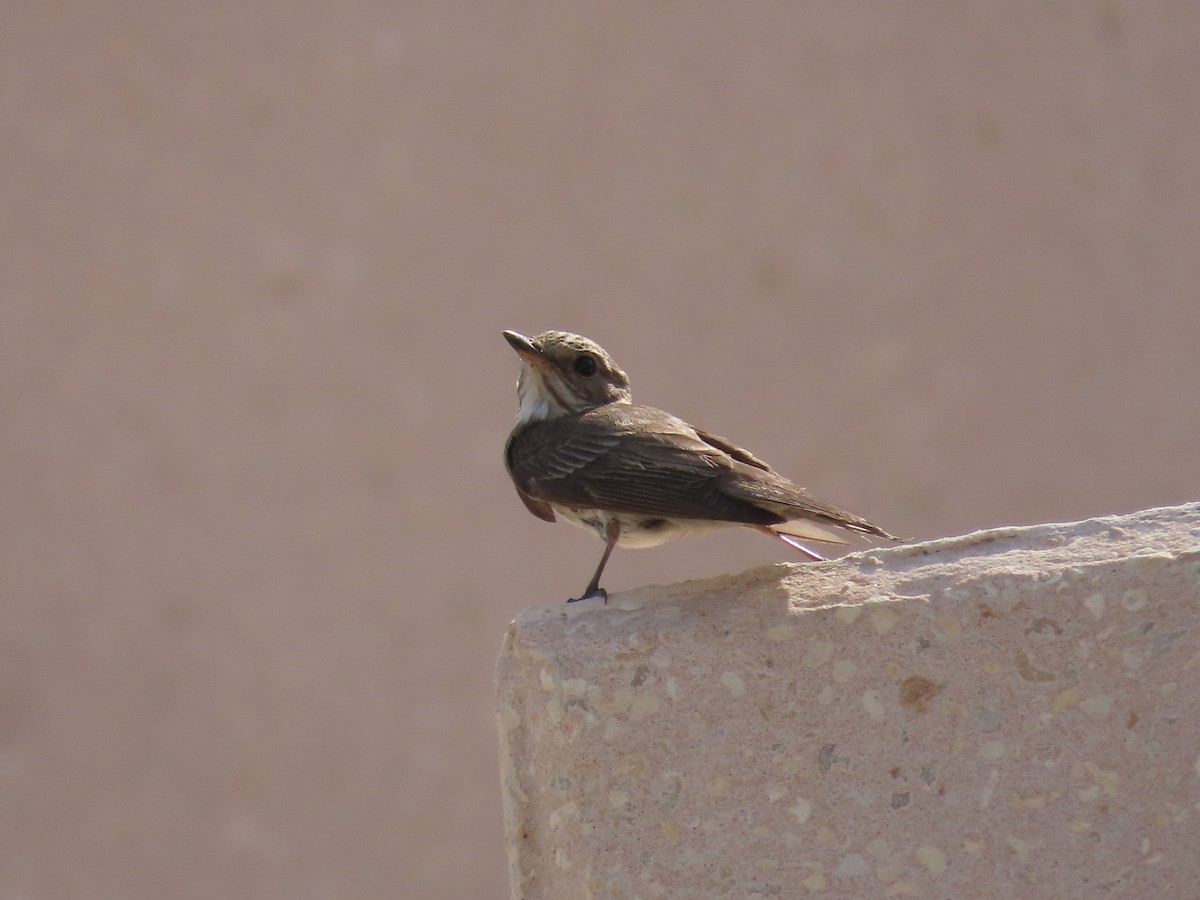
<point>635,475</point>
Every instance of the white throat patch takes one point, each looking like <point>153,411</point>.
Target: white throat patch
<point>537,401</point>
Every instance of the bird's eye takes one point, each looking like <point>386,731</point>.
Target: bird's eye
<point>585,366</point>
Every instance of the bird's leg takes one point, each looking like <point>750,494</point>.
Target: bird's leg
<point>792,542</point>
<point>611,533</point>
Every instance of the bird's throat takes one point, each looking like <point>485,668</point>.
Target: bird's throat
<point>540,397</point>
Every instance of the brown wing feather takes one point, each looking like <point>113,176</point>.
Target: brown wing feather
<point>539,508</point>
<point>626,458</point>
<point>781,495</point>
<point>792,502</point>
<point>638,459</point>
<point>741,454</point>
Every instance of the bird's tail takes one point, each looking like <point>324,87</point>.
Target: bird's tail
<point>808,530</point>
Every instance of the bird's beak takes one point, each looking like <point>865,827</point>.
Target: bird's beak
<point>524,346</point>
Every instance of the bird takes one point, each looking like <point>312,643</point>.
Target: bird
<point>637,476</point>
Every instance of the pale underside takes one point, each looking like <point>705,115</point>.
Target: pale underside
<point>639,532</point>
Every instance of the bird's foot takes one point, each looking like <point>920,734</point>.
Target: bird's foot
<point>598,592</point>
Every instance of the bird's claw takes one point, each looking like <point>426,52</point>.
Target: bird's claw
<point>599,592</point>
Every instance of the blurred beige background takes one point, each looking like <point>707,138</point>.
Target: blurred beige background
<point>936,260</point>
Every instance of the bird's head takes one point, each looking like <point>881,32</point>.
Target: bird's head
<point>564,373</point>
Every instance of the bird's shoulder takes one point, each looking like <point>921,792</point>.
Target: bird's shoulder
<point>634,419</point>
<point>603,426</point>
<point>629,430</point>
<point>657,424</point>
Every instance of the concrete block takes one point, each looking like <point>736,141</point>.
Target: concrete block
<point>1013,713</point>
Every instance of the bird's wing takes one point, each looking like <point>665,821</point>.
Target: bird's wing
<point>539,508</point>
<point>797,506</point>
<point>740,454</point>
<point>625,458</point>
<point>637,459</point>
<point>757,482</point>
<point>793,503</point>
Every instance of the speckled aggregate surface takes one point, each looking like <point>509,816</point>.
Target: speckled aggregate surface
<point>1008,714</point>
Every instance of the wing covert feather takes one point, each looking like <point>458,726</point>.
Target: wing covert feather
<point>637,459</point>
